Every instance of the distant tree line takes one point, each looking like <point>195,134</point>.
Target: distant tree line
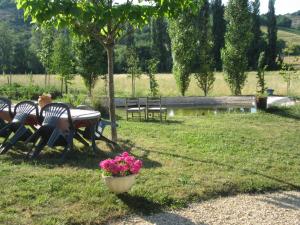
<point>214,38</point>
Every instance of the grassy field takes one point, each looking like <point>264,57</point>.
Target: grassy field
<point>167,85</point>
<point>185,160</point>
<point>288,35</point>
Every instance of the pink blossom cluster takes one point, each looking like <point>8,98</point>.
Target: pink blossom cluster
<point>122,165</point>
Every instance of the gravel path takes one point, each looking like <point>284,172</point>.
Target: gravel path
<point>269,209</point>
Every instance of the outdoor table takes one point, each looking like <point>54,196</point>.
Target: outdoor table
<point>80,118</point>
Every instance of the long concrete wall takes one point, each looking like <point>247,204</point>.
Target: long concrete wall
<point>199,101</point>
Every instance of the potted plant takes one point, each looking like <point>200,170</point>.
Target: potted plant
<point>119,173</point>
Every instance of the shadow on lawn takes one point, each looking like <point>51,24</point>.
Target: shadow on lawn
<point>143,206</point>
<point>79,157</point>
<point>284,112</point>
<point>294,186</point>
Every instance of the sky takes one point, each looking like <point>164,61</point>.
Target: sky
<point>281,6</point>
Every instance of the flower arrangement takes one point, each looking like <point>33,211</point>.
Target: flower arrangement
<point>121,166</point>
<point>44,99</point>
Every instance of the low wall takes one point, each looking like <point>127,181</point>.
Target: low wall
<point>199,101</point>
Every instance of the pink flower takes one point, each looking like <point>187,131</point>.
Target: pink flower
<point>125,154</point>
<point>136,167</point>
<point>129,160</point>
<point>121,165</point>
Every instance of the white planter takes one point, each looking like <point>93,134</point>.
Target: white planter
<point>119,185</point>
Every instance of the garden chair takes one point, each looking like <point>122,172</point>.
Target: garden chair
<point>51,133</point>
<point>5,103</point>
<point>17,126</point>
<point>133,107</point>
<point>155,109</point>
<point>95,133</point>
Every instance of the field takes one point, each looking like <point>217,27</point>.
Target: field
<point>291,36</point>
<point>212,156</point>
<point>167,85</point>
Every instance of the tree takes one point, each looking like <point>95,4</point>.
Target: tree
<point>204,71</point>
<point>218,32</point>
<point>182,36</point>
<point>90,61</point>
<point>133,68</point>
<point>237,40</point>
<point>62,59</point>
<point>272,36</point>
<point>152,65</point>
<point>102,20</point>
<point>261,67</point>
<point>6,48</point>
<point>161,44</point>
<point>288,74</point>
<point>256,44</point>
<point>45,50</point>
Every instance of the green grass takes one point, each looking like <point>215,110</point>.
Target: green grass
<point>186,160</point>
<point>167,85</point>
<point>290,36</point>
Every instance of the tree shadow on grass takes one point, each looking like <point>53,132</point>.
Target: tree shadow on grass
<point>143,207</point>
<point>294,186</point>
<point>284,112</point>
<point>79,157</point>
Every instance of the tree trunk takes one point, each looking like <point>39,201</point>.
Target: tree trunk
<point>111,91</point>
<point>61,85</point>
<point>66,86</point>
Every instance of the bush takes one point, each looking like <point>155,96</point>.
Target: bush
<point>19,92</point>
<point>101,105</point>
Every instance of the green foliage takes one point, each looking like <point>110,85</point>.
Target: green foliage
<point>218,32</point>
<point>152,65</point>
<point>261,68</point>
<point>133,69</point>
<point>288,74</point>
<point>182,36</point>
<point>204,70</point>
<point>90,61</point>
<point>6,48</point>
<point>62,59</point>
<point>46,48</point>
<point>32,92</point>
<point>237,40</point>
<point>74,99</point>
<point>256,45</point>
<point>284,21</point>
<point>272,37</point>
<point>161,44</point>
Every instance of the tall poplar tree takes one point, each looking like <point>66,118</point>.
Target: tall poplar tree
<point>272,36</point>
<point>161,44</point>
<point>182,36</point>
<point>204,68</point>
<point>218,31</point>
<point>237,41</point>
<point>257,44</point>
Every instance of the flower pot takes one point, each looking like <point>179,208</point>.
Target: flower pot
<point>119,185</point>
<point>262,103</point>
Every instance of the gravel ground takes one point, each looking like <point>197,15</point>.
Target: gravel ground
<point>268,209</point>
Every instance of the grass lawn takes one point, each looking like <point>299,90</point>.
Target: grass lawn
<point>185,160</point>
<point>167,84</point>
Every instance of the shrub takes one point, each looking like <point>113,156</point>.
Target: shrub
<point>19,92</point>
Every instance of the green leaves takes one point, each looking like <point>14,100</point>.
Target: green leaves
<point>87,17</point>
<point>237,40</point>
